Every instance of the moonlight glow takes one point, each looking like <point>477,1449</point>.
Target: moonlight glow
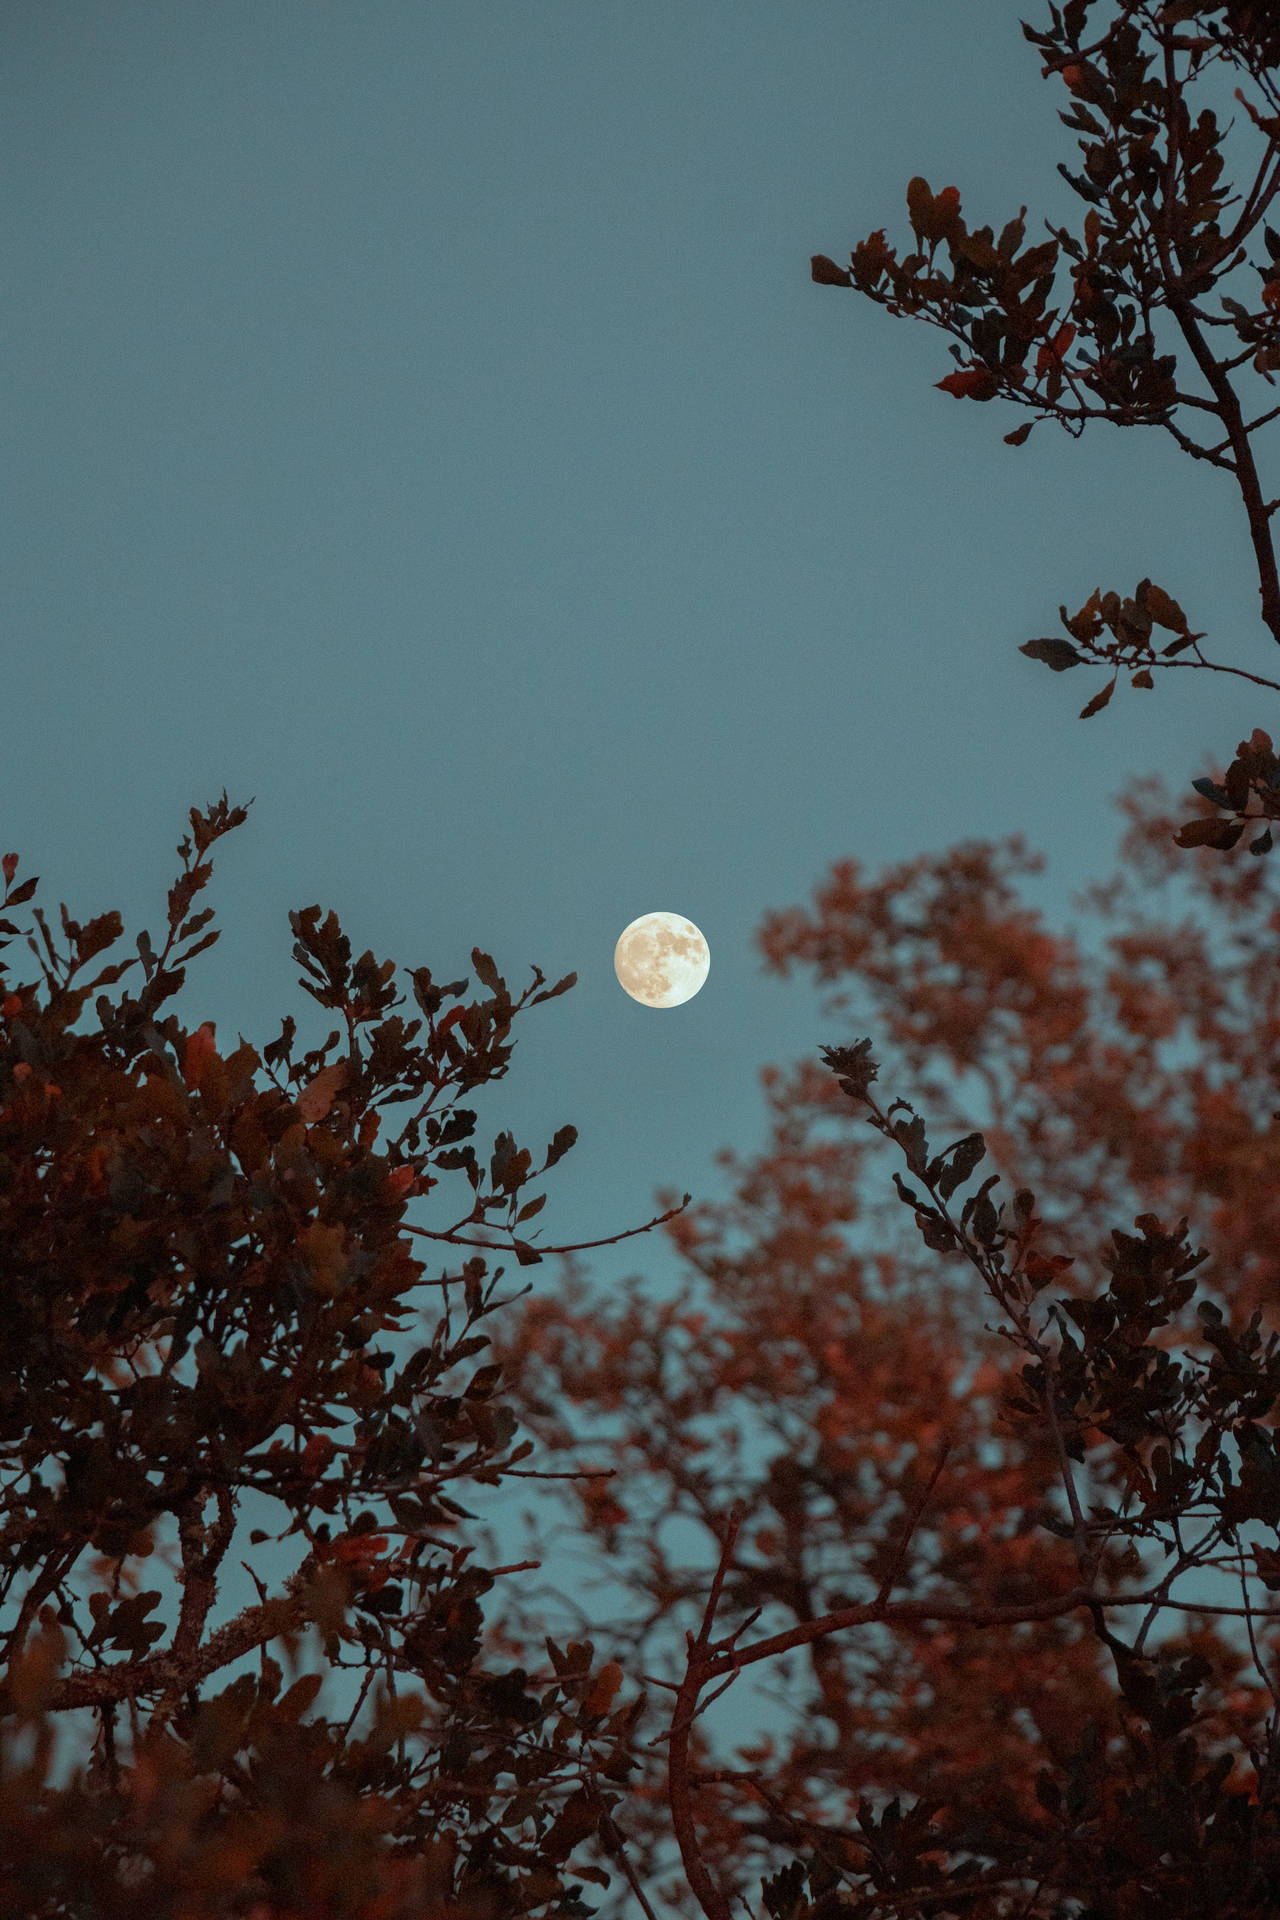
<point>661,959</point>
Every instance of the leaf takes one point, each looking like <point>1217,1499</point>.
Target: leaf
<point>550,993</point>
<point>1162,607</point>
<point>194,924</point>
<point>919,204</point>
<point>908,1194</point>
<point>1263,842</point>
<point>483,1382</point>
<point>967,1153</point>
<point>1085,188</point>
<point>22,893</point>
<point>210,939</point>
<point>1057,654</point>
<point>783,1895</point>
<point>486,971</point>
<point>508,1164</point>
<point>315,1100</point>
<point>562,1140</point>
<point>1236,782</point>
<point>1142,679</point>
<point>827,273</point>
<point>200,1049</point>
<point>971,383</point>
<point>911,1136</point>
<point>1221,834</point>
<point>935,1232</point>
<point>293,1704</point>
<point>1019,434</point>
<point>1011,236</point>
<point>606,1685</point>
<point>1212,791</point>
<point>1098,701</point>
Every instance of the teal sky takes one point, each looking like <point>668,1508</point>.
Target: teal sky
<point>419,417</point>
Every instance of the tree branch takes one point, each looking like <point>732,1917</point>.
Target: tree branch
<point>576,1246</point>
<point>1228,404</point>
<point>679,1782</point>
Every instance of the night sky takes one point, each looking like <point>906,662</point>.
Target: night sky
<point>419,417</point>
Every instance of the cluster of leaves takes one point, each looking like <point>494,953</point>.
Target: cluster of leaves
<point>1130,340</point>
<point>1130,623</point>
<point>1152,239</point>
<point>163,1201</point>
<point>1254,773</point>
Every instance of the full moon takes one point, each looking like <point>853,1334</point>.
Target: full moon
<point>661,959</point>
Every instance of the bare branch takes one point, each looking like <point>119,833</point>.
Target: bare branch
<point>576,1246</point>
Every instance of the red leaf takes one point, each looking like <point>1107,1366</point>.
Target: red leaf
<point>200,1049</point>
<point>971,383</point>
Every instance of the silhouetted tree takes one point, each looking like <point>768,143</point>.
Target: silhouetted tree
<point>162,1201</point>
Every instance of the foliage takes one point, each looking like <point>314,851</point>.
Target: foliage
<point>1154,270</point>
<point>160,1201</point>
<point>829,1422</point>
<point>900,1459</point>
<point>956,1542</point>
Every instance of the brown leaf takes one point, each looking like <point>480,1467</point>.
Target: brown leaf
<point>827,273</point>
<point>315,1100</point>
<point>1209,833</point>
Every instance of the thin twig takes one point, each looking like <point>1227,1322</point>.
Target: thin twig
<point>913,1521</point>
<point>576,1246</point>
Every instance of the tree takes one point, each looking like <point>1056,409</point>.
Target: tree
<point>847,1393</point>
<point>831,1422</point>
<point>162,1202</point>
